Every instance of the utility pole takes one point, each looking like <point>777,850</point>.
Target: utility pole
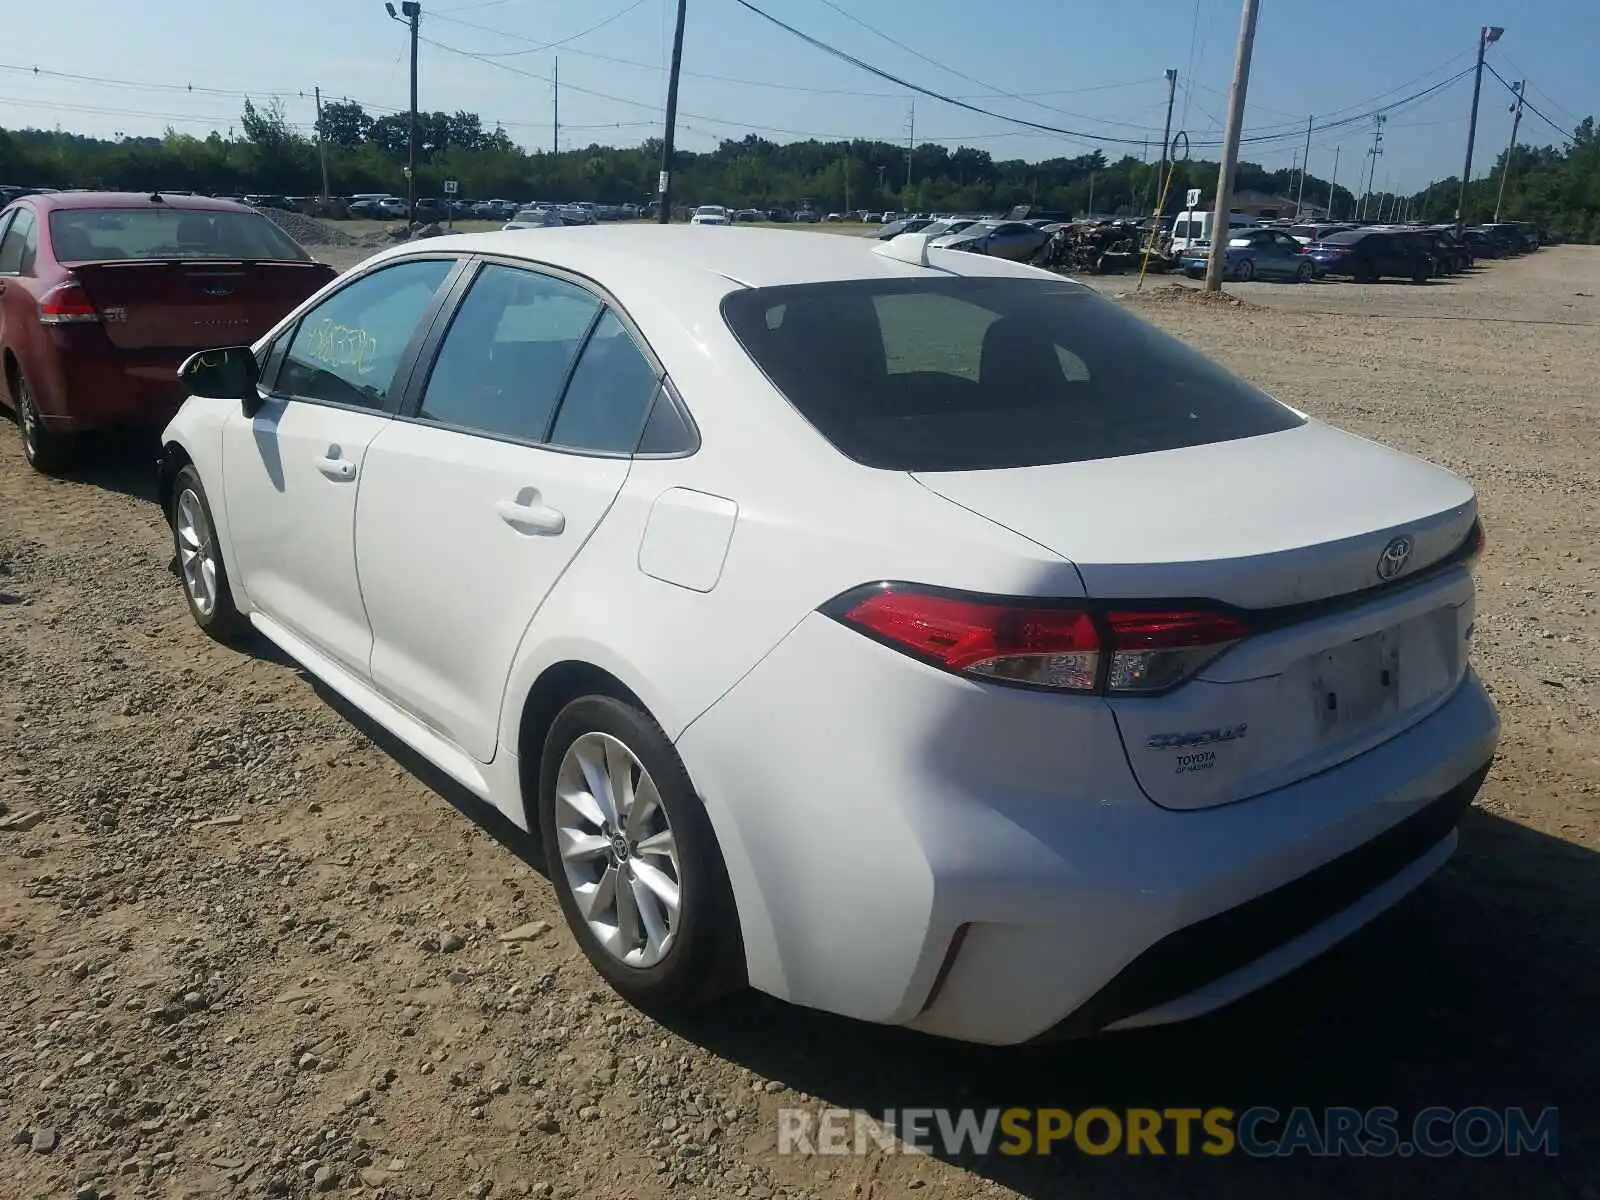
<point>1304,159</point>
<point>1090,213</point>
<point>1374,154</point>
<point>322,147</point>
<point>847,186</point>
<point>1486,35</point>
<point>665,185</point>
<point>555,116</point>
<point>911,142</point>
<point>410,14</point>
<point>1217,259</point>
<point>1166,135</point>
<point>1521,89</point>
<point>1333,183</point>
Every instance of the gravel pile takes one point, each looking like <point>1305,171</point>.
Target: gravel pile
<point>308,231</point>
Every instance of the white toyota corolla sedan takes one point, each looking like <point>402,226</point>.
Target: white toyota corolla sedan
<point>912,635</point>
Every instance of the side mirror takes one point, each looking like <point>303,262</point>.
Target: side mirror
<point>229,373</point>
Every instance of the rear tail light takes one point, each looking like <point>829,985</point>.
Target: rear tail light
<point>1153,651</point>
<point>66,304</point>
<point>1061,648</point>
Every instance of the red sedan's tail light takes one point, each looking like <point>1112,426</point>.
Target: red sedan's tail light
<point>66,304</point>
<point>1062,648</point>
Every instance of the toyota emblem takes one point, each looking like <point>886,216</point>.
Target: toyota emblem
<point>1394,558</point>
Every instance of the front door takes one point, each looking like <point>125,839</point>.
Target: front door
<point>474,505</point>
<point>291,473</point>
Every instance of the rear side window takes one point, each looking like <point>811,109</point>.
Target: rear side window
<point>16,254</point>
<point>1348,237</point>
<point>956,374</point>
<point>158,232</point>
<point>505,361</point>
<point>612,386</point>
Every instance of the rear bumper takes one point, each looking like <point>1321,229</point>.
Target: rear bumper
<point>913,848</point>
<point>101,387</point>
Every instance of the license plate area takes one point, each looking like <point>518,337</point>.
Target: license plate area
<point>1357,685</point>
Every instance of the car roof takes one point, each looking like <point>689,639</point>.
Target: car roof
<point>63,200</point>
<point>741,255</point>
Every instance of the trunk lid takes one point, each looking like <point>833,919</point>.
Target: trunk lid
<point>1276,524</point>
<point>149,304</point>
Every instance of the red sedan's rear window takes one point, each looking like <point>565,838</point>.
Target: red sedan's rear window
<point>101,234</point>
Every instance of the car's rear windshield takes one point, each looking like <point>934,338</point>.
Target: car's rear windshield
<point>95,234</point>
<point>966,374</point>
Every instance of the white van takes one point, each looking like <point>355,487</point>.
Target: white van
<point>1191,229</point>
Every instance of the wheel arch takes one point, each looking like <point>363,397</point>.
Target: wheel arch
<point>173,458</point>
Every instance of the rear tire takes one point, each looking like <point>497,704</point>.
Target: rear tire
<point>637,871</point>
<point>48,453</point>
<point>1245,271</point>
<point>1305,273</point>
<point>199,555</point>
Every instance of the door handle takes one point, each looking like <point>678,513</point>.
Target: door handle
<point>526,515</point>
<point>335,467</point>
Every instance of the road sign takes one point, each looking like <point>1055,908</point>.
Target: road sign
<point>1194,197</point>
<point>449,187</point>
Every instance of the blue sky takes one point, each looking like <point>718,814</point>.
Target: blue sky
<point>1090,68</point>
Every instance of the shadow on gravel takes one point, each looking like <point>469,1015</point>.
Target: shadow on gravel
<point>124,463</point>
<point>1477,990</point>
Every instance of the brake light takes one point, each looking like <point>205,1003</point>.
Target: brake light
<point>1058,647</point>
<point>1152,651</point>
<point>66,304</point>
<point>1046,647</point>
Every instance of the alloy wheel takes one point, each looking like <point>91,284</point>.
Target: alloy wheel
<point>197,552</point>
<point>617,849</point>
<point>28,420</point>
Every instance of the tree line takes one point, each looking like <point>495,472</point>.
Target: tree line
<point>1557,187</point>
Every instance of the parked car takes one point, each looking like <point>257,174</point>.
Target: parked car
<point>1256,254</point>
<point>431,209</point>
<point>1367,255</point>
<point>918,728</point>
<point>1482,244</point>
<point>103,295</point>
<point>535,218</point>
<point>1457,250</point>
<point>709,214</point>
<point>895,228</point>
<point>1014,240</point>
<point>576,214</point>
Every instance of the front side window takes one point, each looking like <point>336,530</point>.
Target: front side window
<point>506,358</point>
<point>981,373</point>
<point>348,349</point>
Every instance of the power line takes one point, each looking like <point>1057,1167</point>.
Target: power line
<point>1528,104</point>
<point>535,48</point>
<point>1555,104</point>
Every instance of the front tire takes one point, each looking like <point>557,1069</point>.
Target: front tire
<point>200,565</point>
<point>1245,271</point>
<point>633,858</point>
<point>48,453</point>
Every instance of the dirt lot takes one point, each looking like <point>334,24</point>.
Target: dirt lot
<point>249,947</point>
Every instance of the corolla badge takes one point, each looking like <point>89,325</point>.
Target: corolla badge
<point>219,289</point>
<point>1196,737</point>
<point>1394,558</point>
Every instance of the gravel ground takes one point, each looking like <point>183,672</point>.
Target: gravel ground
<point>248,946</point>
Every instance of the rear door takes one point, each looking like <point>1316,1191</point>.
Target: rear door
<point>476,499</point>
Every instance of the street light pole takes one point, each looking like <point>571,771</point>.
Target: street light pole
<point>1166,135</point>
<point>1217,259</point>
<point>664,188</point>
<point>1487,35</point>
<point>1520,89</point>
<point>411,14</point>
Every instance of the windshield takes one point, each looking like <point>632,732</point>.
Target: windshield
<point>1188,229</point>
<point>962,374</point>
<point>99,234</point>
<point>711,210</point>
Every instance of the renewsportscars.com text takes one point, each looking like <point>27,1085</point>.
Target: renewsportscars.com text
<point>1260,1132</point>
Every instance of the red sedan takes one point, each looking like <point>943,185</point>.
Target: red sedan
<point>104,294</point>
